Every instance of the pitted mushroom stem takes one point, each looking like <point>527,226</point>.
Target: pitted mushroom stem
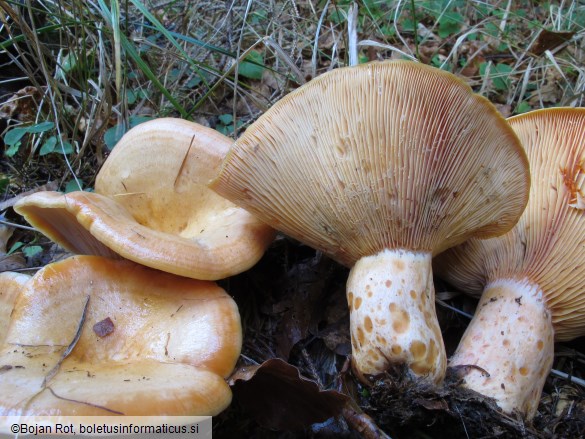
<point>393,320</point>
<point>511,337</point>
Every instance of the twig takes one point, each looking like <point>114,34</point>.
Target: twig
<point>571,378</point>
<point>55,369</point>
<point>352,19</point>
<point>452,308</point>
<point>18,226</point>
<point>316,43</point>
<point>50,186</point>
<point>85,403</point>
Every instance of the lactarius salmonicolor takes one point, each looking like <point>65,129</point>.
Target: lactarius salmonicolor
<point>381,166</point>
<point>10,286</point>
<point>151,205</point>
<point>95,336</point>
<point>531,280</point>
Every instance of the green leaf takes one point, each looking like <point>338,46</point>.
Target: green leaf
<point>338,16</point>
<point>137,120</point>
<point>115,133</point>
<point>436,62</point>
<point>450,24</point>
<point>13,136</point>
<point>32,250</point>
<point>15,247</point>
<point>49,146</point>
<point>66,148</point>
<point>408,25</point>
<point>226,119</point>
<point>69,62</point>
<point>131,97</point>
<point>40,127</point>
<point>72,186</point>
<point>492,29</point>
<point>253,66</point>
<point>522,107</point>
<point>193,82</point>
<point>259,16</point>
<point>502,76</point>
<point>499,74</point>
<point>12,150</point>
<point>388,30</point>
<point>223,129</point>
<point>4,182</point>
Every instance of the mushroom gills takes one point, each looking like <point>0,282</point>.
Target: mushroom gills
<point>391,299</point>
<point>376,163</point>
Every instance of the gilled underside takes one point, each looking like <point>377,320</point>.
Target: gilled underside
<point>385,155</point>
<point>538,267</point>
<point>152,206</point>
<point>378,165</point>
<point>548,243</point>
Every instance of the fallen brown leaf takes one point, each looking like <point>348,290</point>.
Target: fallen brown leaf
<point>548,40</point>
<point>278,397</point>
<point>22,105</point>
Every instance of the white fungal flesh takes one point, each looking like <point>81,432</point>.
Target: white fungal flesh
<point>392,315</point>
<point>510,338</point>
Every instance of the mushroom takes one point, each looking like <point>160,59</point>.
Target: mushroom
<point>151,206</point>
<point>10,285</point>
<point>531,280</point>
<point>95,336</point>
<point>381,166</point>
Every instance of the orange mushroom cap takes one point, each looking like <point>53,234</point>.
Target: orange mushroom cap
<point>95,336</point>
<point>152,206</point>
<point>10,287</point>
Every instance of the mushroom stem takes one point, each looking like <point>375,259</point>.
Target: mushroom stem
<point>511,337</point>
<point>393,320</point>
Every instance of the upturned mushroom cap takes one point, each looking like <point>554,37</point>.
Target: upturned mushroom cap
<point>538,267</point>
<point>10,287</point>
<point>151,206</point>
<point>383,155</point>
<point>95,336</point>
<point>383,161</point>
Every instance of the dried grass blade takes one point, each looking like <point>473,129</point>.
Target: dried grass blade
<point>70,348</point>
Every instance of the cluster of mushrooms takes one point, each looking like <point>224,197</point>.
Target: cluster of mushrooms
<point>134,324</point>
<point>390,168</point>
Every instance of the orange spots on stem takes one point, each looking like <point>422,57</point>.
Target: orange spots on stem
<point>360,336</point>
<point>398,265</point>
<point>418,349</point>
<point>368,324</point>
<point>400,318</point>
